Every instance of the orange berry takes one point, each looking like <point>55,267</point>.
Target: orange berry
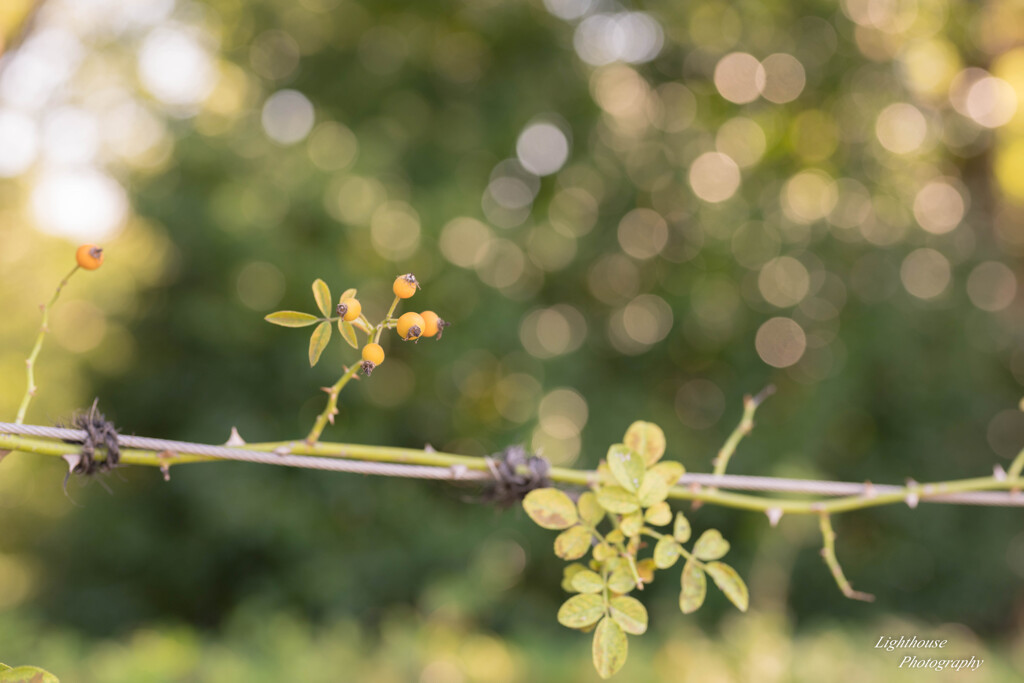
<point>405,286</point>
<point>373,353</point>
<point>349,309</point>
<point>433,324</point>
<point>89,256</point>
<point>430,320</point>
<point>410,326</point>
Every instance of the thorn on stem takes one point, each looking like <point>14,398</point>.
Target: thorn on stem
<point>235,439</point>
<point>913,497</point>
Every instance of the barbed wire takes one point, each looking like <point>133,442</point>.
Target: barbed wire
<point>453,473</point>
<point>462,473</point>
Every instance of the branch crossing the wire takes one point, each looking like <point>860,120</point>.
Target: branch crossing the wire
<point>372,460</point>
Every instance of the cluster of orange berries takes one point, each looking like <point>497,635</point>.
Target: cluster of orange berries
<point>410,326</point>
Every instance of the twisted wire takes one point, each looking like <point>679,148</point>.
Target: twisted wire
<point>461,473</point>
<point>261,457</point>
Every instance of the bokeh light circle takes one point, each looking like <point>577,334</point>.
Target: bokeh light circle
<point>780,342</point>
<point>714,177</point>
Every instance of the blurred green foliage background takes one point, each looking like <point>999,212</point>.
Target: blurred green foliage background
<point>626,214</point>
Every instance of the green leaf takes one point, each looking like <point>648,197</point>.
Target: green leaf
<point>318,342</point>
<point>291,319</point>
<point>694,588</point>
<point>682,529</point>
<point>730,583</point>
<point>27,674</point>
<point>626,466</point>
<point>610,648</point>
<point>666,552</point>
<point>653,490</point>
<point>647,439</point>
<point>658,514</point>
<point>568,573</point>
<point>349,293</point>
<point>586,581</point>
<point>670,471</point>
<point>629,613</point>
<point>581,611</point>
<point>591,511</point>
<point>646,568</point>
<point>550,508</point>
<point>710,545</point>
<point>631,524</point>
<point>617,499</point>
<point>573,543</point>
<point>603,551</point>
<point>348,333</point>
<point>621,580</point>
<point>4,667</point>
<point>322,294</point>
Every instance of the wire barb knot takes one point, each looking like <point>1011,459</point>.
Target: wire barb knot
<point>510,484</point>
<point>98,433</point>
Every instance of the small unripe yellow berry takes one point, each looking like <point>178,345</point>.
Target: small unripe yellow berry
<point>373,353</point>
<point>433,324</point>
<point>349,309</point>
<point>410,326</point>
<point>405,286</point>
<point>89,256</point>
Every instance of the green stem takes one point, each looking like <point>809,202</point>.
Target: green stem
<point>750,404</point>
<point>380,326</point>
<point>690,557</point>
<point>30,363</point>
<point>332,405</point>
<point>828,552</point>
<point>631,560</point>
<point>129,456</point>
<point>560,475</point>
